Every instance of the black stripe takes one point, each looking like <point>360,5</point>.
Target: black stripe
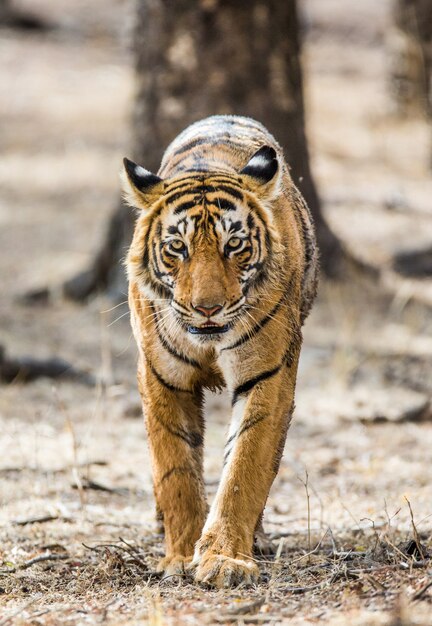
<point>249,335</point>
<point>244,122</point>
<point>233,304</point>
<point>256,209</point>
<point>157,272</point>
<point>257,236</point>
<point>249,423</point>
<point>173,230</point>
<point>226,180</point>
<point>169,348</point>
<point>230,439</point>
<point>164,382</point>
<point>192,144</point>
<point>181,306</point>
<point>195,191</point>
<point>187,181</point>
<point>246,425</point>
<point>145,257</point>
<point>282,439</point>
<point>185,206</point>
<point>160,289</point>
<point>194,439</point>
<point>258,279</point>
<point>252,382</point>
<point>223,204</point>
<point>155,264</point>
<point>288,360</point>
<point>268,242</point>
<point>186,192</point>
<point>176,470</point>
<point>171,264</point>
<point>246,249</point>
<point>232,191</point>
<point>294,346</point>
<point>307,239</point>
<point>198,169</point>
<point>202,190</point>
<point>255,266</point>
<point>234,226</point>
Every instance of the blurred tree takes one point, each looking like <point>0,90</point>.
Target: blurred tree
<point>412,87</point>
<point>412,56</point>
<point>13,17</point>
<point>195,59</point>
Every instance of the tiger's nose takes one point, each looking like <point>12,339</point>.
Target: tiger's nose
<point>208,310</point>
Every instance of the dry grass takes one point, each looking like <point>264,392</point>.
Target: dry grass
<point>112,581</point>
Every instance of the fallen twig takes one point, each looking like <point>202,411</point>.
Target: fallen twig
<point>376,583</point>
<point>135,557</point>
<point>42,558</point>
<point>415,532</point>
<point>58,470</point>
<point>88,484</point>
<point>129,545</point>
<point>420,593</point>
<point>35,520</point>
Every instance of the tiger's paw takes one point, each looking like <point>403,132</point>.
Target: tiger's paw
<point>176,565</point>
<point>223,572</point>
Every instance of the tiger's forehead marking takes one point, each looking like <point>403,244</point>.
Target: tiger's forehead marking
<point>202,185</point>
<point>202,177</point>
<point>204,218</point>
<point>201,203</point>
<point>207,212</point>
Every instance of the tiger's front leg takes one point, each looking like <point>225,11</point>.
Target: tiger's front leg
<point>262,408</point>
<point>175,434</point>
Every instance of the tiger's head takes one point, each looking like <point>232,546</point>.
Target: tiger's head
<point>203,241</point>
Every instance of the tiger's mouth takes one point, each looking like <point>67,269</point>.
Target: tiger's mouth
<point>209,328</point>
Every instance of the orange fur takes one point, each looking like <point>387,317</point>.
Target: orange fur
<point>222,273</point>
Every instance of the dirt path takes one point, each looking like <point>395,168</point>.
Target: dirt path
<point>75,458</point>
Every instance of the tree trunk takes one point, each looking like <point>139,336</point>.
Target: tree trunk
<point>13,17</point>
<point>411,52</point>
<point>411,78</point>
<point>195,59</point>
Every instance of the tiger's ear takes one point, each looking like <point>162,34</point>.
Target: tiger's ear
<point>140,187</point>
<point>262,172</point>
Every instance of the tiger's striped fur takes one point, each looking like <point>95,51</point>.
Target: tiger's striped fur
<point>222,273</point>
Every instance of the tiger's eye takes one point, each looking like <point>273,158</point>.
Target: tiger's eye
<point>234,243</point>
<point>177,245</point>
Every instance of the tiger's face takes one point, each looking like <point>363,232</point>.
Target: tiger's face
<point>203,243</point>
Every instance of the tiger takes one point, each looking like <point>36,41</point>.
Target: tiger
<point>222,273</point>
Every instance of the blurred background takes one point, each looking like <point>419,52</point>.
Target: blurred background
<point>346,89</point>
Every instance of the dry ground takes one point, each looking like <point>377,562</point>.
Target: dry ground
<point>74,457</point>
